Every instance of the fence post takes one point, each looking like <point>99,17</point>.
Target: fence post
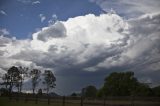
<point>81,101</point>
<point>48,100</point>
<point>63,104</point>
<point>10,96</point>
<point>36,99</point>
<point>26,99</point>
<point>17,97</point>
<point>104,103</point>
<point>132,100</point>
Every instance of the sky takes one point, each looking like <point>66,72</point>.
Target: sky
<point>81,41</point>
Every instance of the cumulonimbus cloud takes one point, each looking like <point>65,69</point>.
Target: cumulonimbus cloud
<point>91,44</point>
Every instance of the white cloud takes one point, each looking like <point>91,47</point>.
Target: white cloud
<point>42,17</point>
<point>3,12</point>
<point>25,1</point>
<point>54,31</point>
<point>88,44</point>
<point>86,37</point>
<point>143,42</point>
<point>53,19</point>
<point>131,8</point>
<point>32,2</point>
<point>36,2</point>
<point>4,31</point>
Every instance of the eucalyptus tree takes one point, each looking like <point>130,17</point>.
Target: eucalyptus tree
<point>35,77</point>
<point>23,74</point>
<point>49,80</point>
<point>12,77</point>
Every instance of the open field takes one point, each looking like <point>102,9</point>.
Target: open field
<point>5,101</point>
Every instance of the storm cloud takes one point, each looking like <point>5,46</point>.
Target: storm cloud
<point>88,48</point>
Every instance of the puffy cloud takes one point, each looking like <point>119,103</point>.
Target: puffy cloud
<point>53,19</point>
<point>42,17</point>
<point>90,46</point>
<point>3,12</point>
<point>129,8</point>
<point>32,2</point>
<point>4,32</point>
<point>36,2</point>
<point>57,30</point>
<point>143,49</point>
<point>25,1</point>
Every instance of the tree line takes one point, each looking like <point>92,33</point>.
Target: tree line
<point>15,76</point>
<point>115,84</point>
<point>121,84</point>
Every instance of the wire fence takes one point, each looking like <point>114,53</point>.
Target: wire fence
<point>84,101</point>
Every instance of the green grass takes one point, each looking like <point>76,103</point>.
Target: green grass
<point>4,101</point>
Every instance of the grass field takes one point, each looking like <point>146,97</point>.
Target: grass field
<point>4,101</point>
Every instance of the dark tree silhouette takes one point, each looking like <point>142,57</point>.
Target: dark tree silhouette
<point>49,80</point>
<point>6,80</point>
<point>13,77</point>
<point>156,91</point>
<point>39,91</point>
<point>23,74</point>
<point>35,77</point>
<point>89,91</point>
<point>123,84</point>
<point>120,84</point>
<point>73,94</point>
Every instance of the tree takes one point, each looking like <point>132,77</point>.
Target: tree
<point>142,90</point>
<point>23,74</point>
<point>35,75</point>
<point>89,91</point>
<point>4,92</point>
<point>156,91</point>
<point>120,84</point>
<point>39,91</point>
<point>12,77</point>
<point>5,79</point>
<point>74,94</point>
<point>49,80</point>
<point>100,93</point>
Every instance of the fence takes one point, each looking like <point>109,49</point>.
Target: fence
<point>81,101</point>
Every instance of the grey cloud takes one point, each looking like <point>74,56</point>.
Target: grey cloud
<point>4,41</point>
<point>57,30</point>
<point>129,8</point>
<point>136,51</point>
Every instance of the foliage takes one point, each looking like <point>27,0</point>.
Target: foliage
<point>156,91</point>
<point>89,91</point>
<point>120,84</point>
<point>73,94</point>
<point>35,75</point>
<point>123,84</point>
<point>12,77</point>
<point>4,92</point>
<point>100,93</point>
<point>143,90</point>
<point>23,74</point>
<point>49,80</point>
<point>39,91</point>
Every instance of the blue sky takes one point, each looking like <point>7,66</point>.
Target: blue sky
<point>22,17</point>
<point>81,41</point>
